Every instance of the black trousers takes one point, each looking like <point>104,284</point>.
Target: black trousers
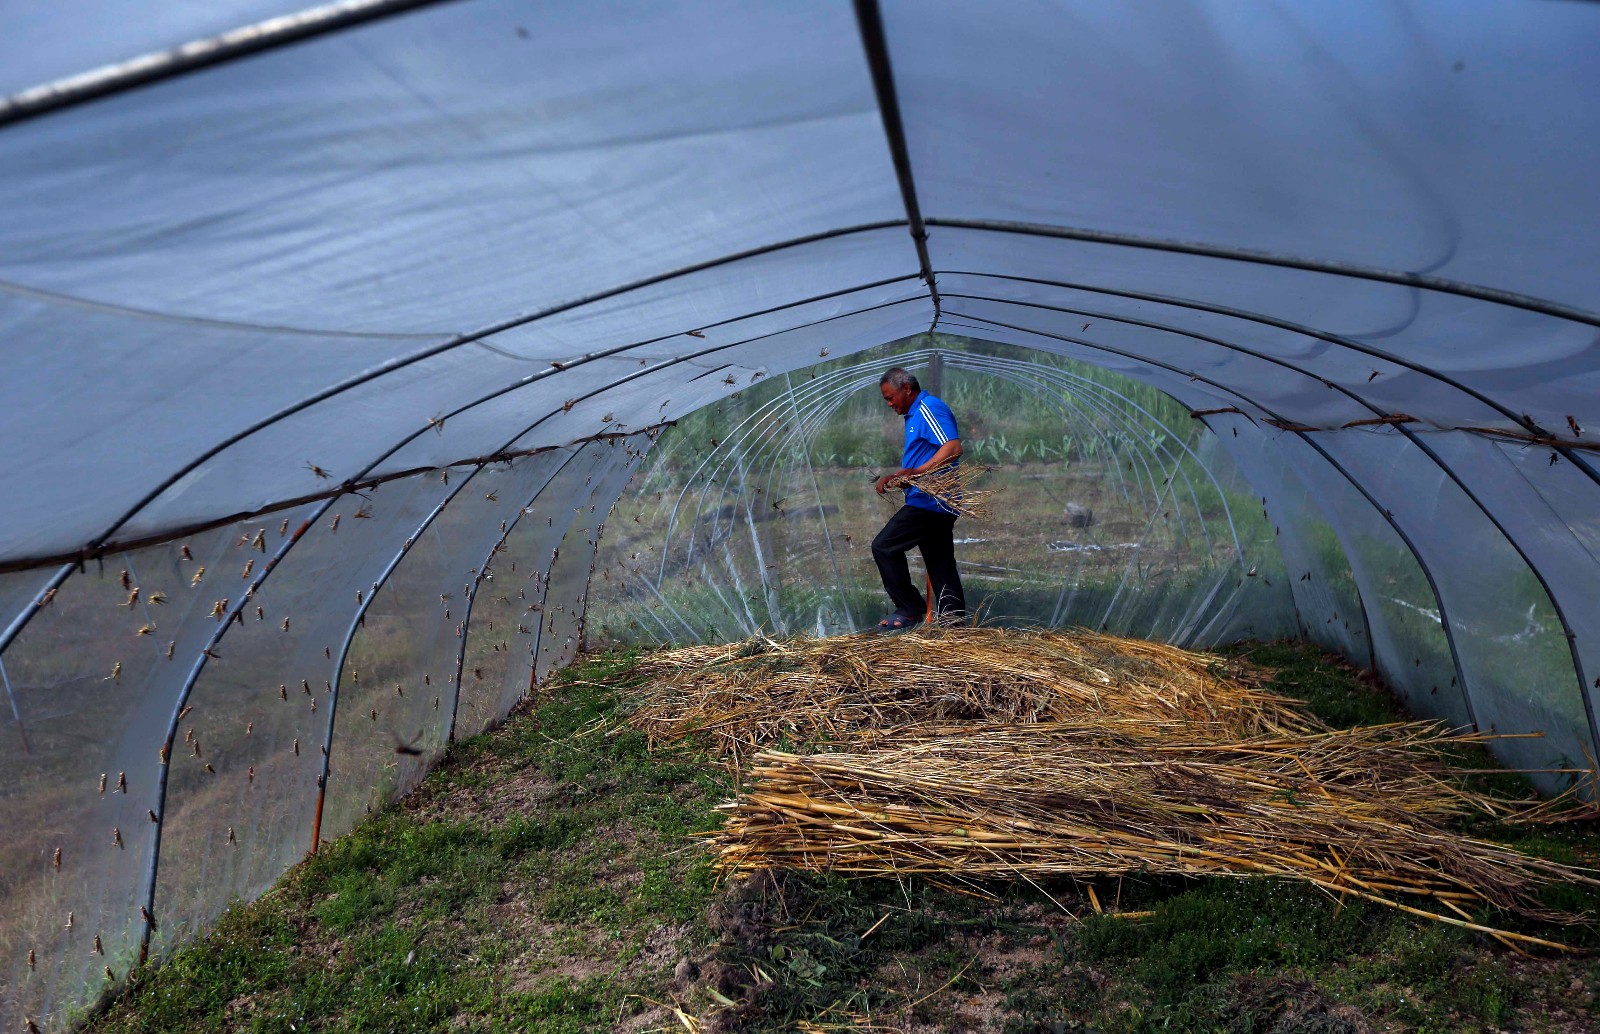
<point>932,533</point>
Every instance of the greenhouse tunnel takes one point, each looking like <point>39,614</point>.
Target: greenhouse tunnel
<point>366,362</point>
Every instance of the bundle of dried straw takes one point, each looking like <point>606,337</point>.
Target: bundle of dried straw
<point>1357,812</point>
<point>968,754</point>
<point>952,486</point>
<point>748,695</point>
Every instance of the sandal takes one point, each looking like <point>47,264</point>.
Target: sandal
<point>898,623</point>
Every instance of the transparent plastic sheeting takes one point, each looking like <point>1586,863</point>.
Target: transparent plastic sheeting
<point>1405,530</point>
<point>1518,669</point>
<point>518,600</point>
<point>229,829</point>
<point>1327,603</point>
<point>1371,134</point>
<point>469,230</point>
<point>463,402</point>
<point>1343,329</point>
<point>94,678</point>
<point>228,644</point>
<point>442,146</point>
<point>1394,586</point>
<point>1105,516</point>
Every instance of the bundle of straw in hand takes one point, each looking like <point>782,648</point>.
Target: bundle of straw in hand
<point>952,486</point>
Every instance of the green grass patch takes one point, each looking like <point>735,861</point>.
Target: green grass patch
<point>438,914</point>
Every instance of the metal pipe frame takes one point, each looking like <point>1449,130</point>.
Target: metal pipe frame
<point>61,574</point>
<point>360,615</point>
<point>199,663</point>
<point>1383,355</point>
<point>1053,379</point>
<point>60,96</point>
<point>1455,656</point>
<point>1566,626</point>
<point>839,384</point>
<point>1267,258</point>
<point>472,594</point>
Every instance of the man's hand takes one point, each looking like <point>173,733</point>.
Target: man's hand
<point>948,451</point>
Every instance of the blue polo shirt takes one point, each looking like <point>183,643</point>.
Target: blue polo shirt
<point>929,425</point>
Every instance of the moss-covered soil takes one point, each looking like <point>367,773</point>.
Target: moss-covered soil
<point>545,878</point>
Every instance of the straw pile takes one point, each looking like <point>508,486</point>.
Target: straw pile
<point>745,696</point>
<point>969,755</point>
<point>952,486</point>
<point>1358,812</point>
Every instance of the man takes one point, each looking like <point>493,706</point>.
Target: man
<point>932,440</point>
